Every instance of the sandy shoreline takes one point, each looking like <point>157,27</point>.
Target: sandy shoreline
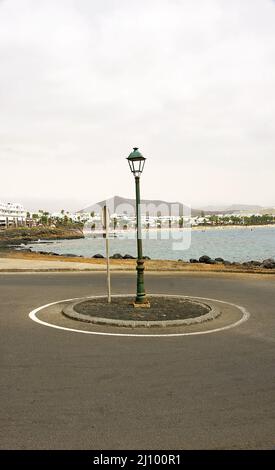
<point>33,262</point>
<point>230,227</point>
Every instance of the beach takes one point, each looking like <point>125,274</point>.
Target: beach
<point>31,262</point>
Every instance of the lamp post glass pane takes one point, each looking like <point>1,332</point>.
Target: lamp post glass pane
<point>136,166</point>
<point>131,165</point>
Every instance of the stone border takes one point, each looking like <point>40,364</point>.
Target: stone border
<point>70,312</point>
<point>245,315</point>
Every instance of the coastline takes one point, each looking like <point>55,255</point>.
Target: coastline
<point>230,227</point>
<point>16,255</point>
<point>14,261</point>
<point>201,228</point>
<point>15,236</point>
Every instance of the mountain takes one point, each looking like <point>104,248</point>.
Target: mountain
<point>155,207</point>
<point>249,208</point>
<point>151,207</point>
<point>233,207</point>
<point>244,207</point>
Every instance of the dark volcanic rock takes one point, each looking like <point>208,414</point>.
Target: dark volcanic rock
<point>38,234</point>
<point>70,255</point>
<point>50,253</point>
<point>268,263</point>
<point>220,260</point>
<point>193,260</point>
<point>116,256</point>
<point>24,250</point>
<point>204,259</point>
<point>255,263</point>
<point>207,260</point>
<point>98,255</point>
<point>251,264</point>
<point>146,257</point>
<point>128,257</point>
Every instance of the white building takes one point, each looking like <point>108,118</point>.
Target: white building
<point>12,213</point>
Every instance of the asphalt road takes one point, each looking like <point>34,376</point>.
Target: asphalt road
<point>64,390</point>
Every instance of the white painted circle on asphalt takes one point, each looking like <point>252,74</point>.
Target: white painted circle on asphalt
<point>245,317</point>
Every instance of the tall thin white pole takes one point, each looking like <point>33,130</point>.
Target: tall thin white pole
<point>108,264</point>
<point>106,220</point>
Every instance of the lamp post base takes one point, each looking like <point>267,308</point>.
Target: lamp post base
<point>145,304</point>
<point>141,300</point>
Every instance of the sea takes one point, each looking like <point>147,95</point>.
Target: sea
<point>233,244</point>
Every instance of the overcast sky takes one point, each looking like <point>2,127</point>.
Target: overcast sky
<point>191,83</point>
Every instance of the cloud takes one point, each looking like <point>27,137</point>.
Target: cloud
<point>191,83</point>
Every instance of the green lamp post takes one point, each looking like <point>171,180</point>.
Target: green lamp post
<point>136,162</point>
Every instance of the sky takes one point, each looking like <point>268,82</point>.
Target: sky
<point>191,83</point>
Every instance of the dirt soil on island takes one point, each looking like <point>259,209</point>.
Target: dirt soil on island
<point>161,308</point>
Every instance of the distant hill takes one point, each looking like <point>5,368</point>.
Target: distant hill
<point>155,207</point>
<point>249,208</point>
<point>233,207</point>
<point>244,207</point>
<point>151,207</point>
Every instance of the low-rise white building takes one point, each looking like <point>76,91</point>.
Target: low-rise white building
<point>12,213</point>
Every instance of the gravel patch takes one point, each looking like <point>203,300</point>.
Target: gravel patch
<point>161,309</point>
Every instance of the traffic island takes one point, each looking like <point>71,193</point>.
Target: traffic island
<point>164,311</point>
